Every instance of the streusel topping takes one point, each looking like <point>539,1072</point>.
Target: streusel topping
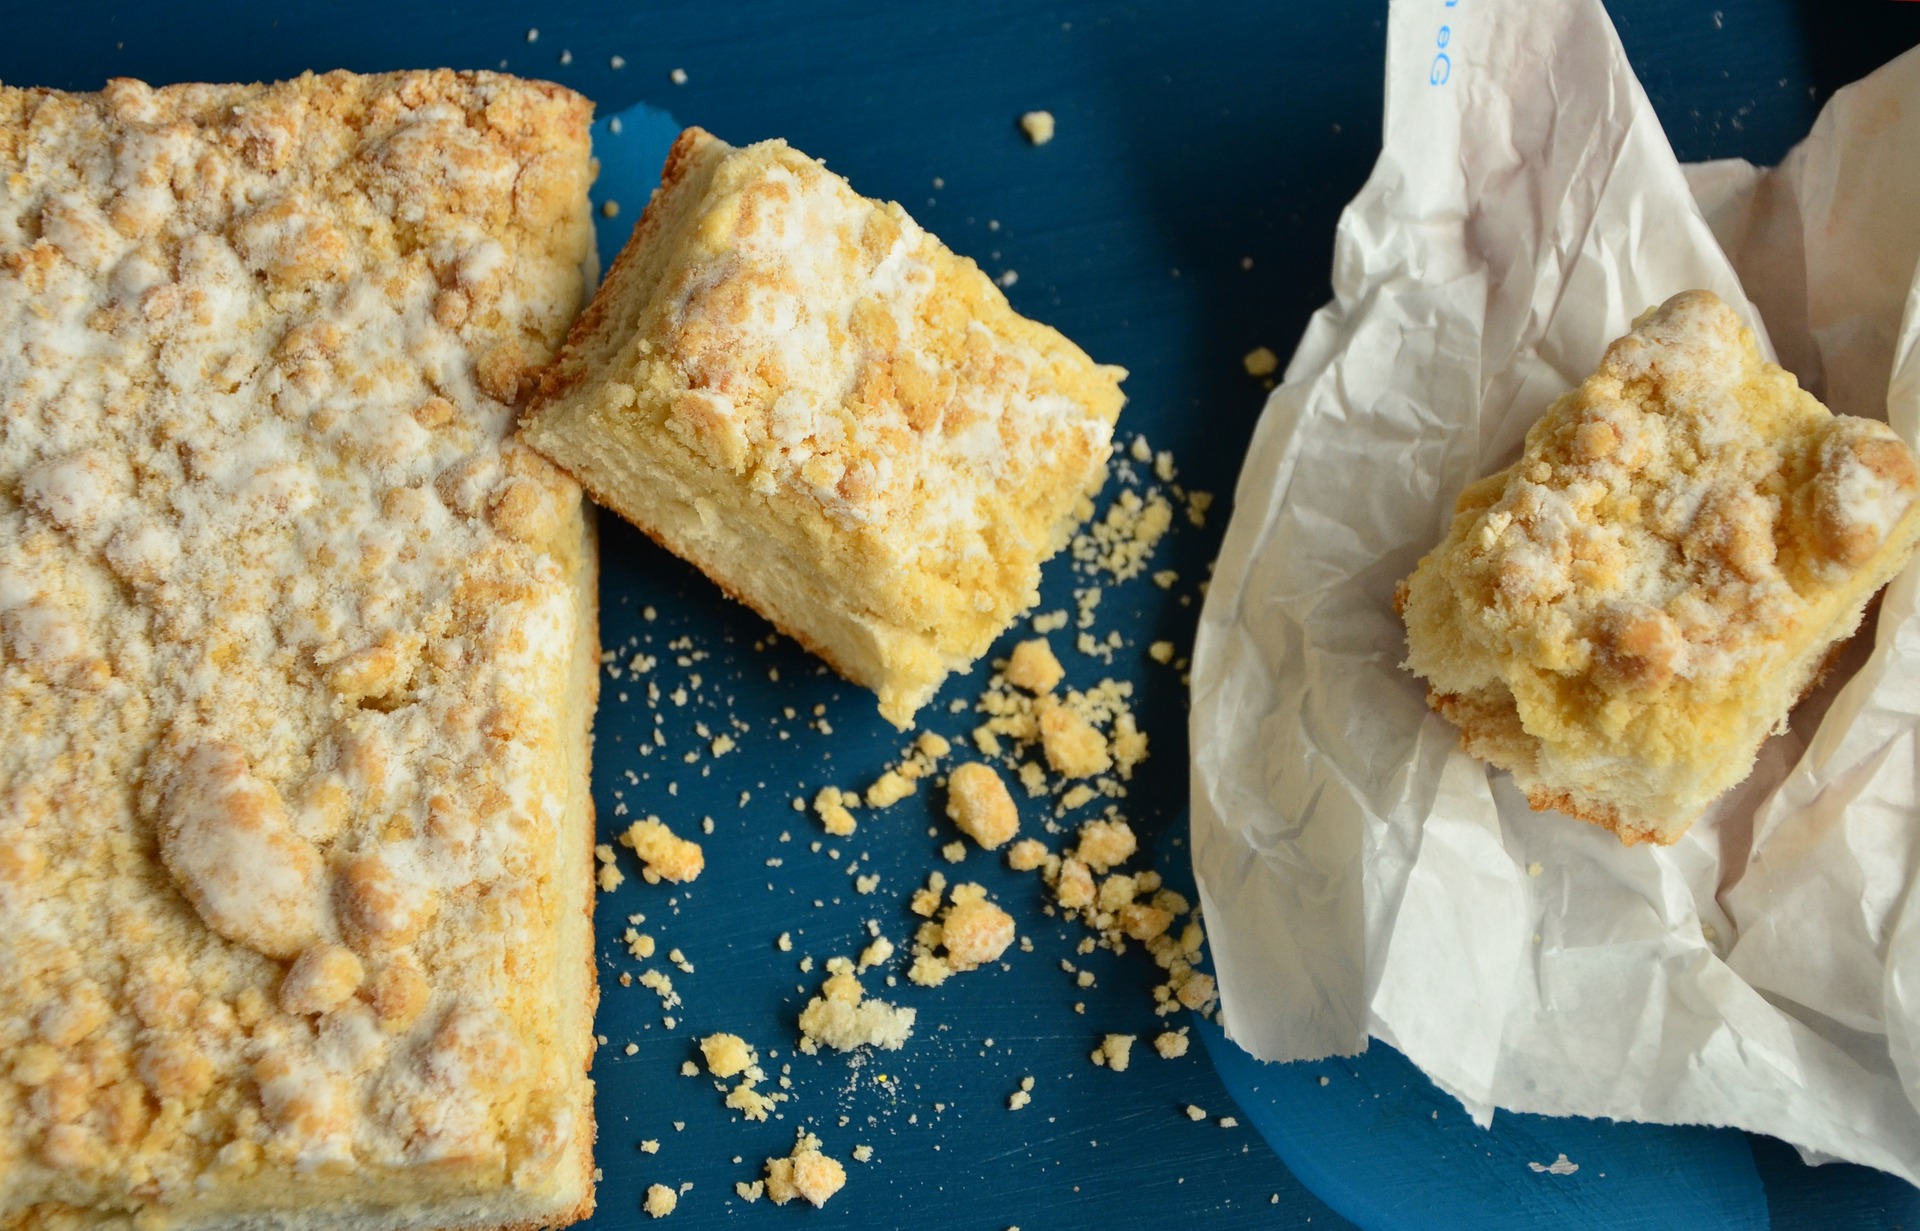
<point>285,622</point>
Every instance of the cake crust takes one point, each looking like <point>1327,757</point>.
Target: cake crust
<point>838,420</point>
<point>300,658</point>
<point>1622,616</point>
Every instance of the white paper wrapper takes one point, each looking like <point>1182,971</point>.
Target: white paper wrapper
<point>1361,875</point>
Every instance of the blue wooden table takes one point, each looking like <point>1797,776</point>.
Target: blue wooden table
<point>1183,215</point>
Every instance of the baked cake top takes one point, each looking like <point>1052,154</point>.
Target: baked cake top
<point>286,628</point>
<point>841,362</point>
<point>1687,517</point>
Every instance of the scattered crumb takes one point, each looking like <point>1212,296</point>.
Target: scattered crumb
<point>749,1193</point>
<point>834,809</point>
<point>805,1173</point>
<point>678,76</point>
<point>1161,651</point>
<point>973,931</point>
<point>1115,1052</point>
<point>1229,1122</point>
<point>862,1154</point>
<point>1027,854</point>
<point>1074,748</point>
<point>660,1200</point>
<point>1105,844</point>
<point>727,1054</point>
<point>979,804</point>
<point>954,852</point>
<point>1050,622</point>
<point>650,1146</point>
<point>1171,1044</point>
<point>663,856</point>
<point>1038,125</point>
<point>1260,361</point>
<point>1032,666</point>
<point>844,1019</point>
<point>1559,1166</point>
<point>1195,1113</point>
<point>610,208</point>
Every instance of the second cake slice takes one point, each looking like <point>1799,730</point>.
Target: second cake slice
<point>841,422</point>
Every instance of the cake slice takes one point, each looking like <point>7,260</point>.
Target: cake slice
<point>299,659</point>
<point>1621,617</point>
<point>841,422</point>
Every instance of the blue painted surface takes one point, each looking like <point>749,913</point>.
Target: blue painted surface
<point>1190,138</point>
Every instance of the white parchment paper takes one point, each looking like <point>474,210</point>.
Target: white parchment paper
<point>1361,875</point>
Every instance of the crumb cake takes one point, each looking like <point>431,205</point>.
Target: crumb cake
<point>841,422</point>
<point>299,658</point>
<point>1622,616</point>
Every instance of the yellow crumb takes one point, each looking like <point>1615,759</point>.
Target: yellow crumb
<point>832,804</point>
<point>727,1054</point>
<point>889,789</point>
<point>1026,855</point>
<point>1032,666</point>
<point>1115,1052</point>
<point>1261,361</point>
<point>979,804</point>
<point>1074,748</point>
<point>1105,844</point>
<point>1038,125</point>
<point>660,1199</point>
<point>805,1173</point>
<point>663,856</point>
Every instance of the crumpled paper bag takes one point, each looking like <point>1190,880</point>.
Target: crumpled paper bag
<point>1364,877</point>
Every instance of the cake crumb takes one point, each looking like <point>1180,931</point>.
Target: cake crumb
<point>834,809</point>
<point>1195,1113</point>
<point>889,789</point>
<point>805,1173</point>
<point>1115,1052</point>
<point>1161,651</point>
<point>862,1154</point>
<point>663,855</point>
<point>1171,1044</point>
<point>650,1146</point>
<point>1038,125</point>
<point>727,1055</point>
<point>1033,666</point>
<point>1049,622</point>
<point>749,1193</point>
<point>926,902</point>
<point>979,804</point>
<point>1261,361</point>
<point>973,932</point>
<point>1105,844</point>
<point>661,1201</point>
<point>843,1018</point>
<point>678,76</point>
<point>1027,854</point>
<point>1073,746</point>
